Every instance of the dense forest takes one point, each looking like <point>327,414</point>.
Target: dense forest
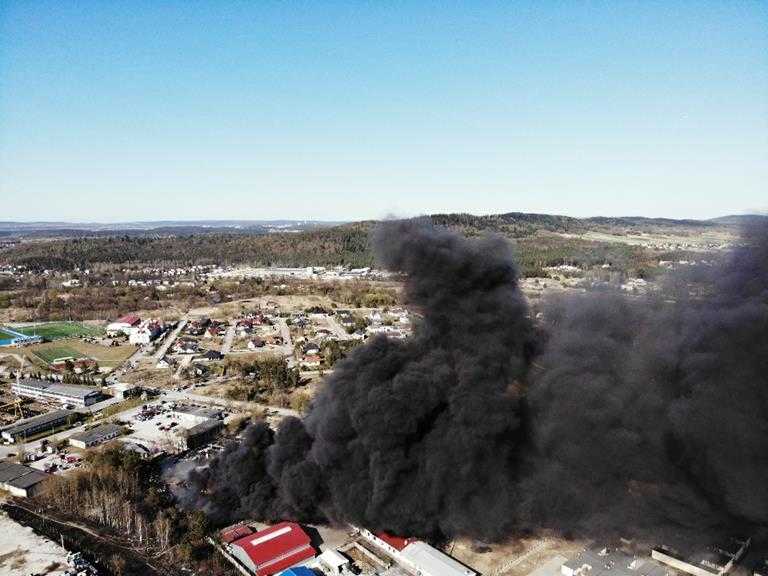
<point>537,237</point>
<point>118,493</point>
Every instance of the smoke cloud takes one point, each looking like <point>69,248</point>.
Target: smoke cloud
<point>616,416</point>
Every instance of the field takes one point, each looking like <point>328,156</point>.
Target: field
<point>107,357</point>
<point>55,330</point>
<point>48,355</point>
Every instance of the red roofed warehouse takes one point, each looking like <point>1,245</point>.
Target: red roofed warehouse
<point>269,551</point>
<point>395,542</point>
<point>130,319</point>
<point>124,324</point>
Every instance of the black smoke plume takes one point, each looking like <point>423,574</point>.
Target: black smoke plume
<point>617,416</point>
<point>650,416</point>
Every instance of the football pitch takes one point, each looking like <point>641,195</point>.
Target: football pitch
<point>54,330</point>
<point>49,354</point>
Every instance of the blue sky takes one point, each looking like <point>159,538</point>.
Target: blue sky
<point>116,111</point>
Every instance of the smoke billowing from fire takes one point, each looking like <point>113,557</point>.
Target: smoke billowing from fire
<point>619,416</point>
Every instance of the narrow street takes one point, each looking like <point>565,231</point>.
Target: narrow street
<point>170,339</point>
<point>229,338</point>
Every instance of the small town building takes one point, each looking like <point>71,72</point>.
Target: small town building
<point>333,562</point>
<point>419,557</point>
<point>29,427</point>
<point>124,324</point>
<point>63,393</point>
<point>145,333</point>
<point>715,561</point>
<point>96,435</point>
<point>20,480</point>
<point>255,343</point>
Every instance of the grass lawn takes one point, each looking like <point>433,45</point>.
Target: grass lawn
<point>107,357</point>
<point>51,353</point>
<point>54,330</point>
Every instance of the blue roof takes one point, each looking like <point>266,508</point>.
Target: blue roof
<point>298,571</point>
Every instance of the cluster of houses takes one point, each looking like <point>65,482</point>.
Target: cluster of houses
<point>395,323</point>
<point>140,332</point>
<point>310,355</point>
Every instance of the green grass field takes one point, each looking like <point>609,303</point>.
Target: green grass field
<point>49,354</point>
<point>54,330</point>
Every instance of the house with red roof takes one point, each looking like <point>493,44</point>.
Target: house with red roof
<point>274,549</point>
<point>124,324</point>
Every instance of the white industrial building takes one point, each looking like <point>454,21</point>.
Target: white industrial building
<point>123,325</point>
<point>20,480</point>
<point>62,393</point>
<point>145,333</point>
<point>716,561</point>
<point>37,425</point>
<point>418,557</point>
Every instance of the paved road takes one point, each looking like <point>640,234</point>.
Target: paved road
<point>183,395</point>
<point>229,337</point>
<point>337,329</point>
<point>170,339</point>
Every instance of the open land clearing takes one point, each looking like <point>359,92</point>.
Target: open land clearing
<point>518,557</point>
<point>23,552</point>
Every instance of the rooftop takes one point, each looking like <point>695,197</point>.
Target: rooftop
<point>608,562</point>
<point>19,476</point>
<point>128,319</point>
<point>275,546</point>
<point>432,562</point>
<point>68,390</point>
<point>41,420</point>
<point>97,433</point>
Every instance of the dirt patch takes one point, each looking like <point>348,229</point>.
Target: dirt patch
<point>517,557</point>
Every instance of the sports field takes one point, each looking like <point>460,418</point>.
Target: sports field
<point>54,330</point>
<point>106,356</point>
<point>49,354</point>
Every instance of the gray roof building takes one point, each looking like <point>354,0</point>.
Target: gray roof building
<point>608,562</point>
<point>20,480</point>
<point>96,435</point>
<point>44,422</point>
<point>65,393</point>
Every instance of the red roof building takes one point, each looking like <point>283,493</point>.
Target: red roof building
<point>272,550</point>
<point>130,319</point>
<point>396,542</point>
<point>229,535</point>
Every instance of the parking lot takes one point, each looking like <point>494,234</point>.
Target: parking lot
<point>155,426</point>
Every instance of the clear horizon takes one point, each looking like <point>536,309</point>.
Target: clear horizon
<point>141,111</point>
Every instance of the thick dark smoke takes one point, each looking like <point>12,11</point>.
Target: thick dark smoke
<point>651,416</point>
<point>629,416</point>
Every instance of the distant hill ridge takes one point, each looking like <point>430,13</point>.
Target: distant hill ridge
<point>514,223</point>
<point>541,240</point>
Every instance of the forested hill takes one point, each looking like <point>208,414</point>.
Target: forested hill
<point>539,242</point>
<point>346,244</point>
